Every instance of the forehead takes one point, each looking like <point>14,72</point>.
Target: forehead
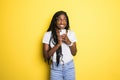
<point>62,16</point>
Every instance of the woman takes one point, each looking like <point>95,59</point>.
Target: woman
<point>59,46</point>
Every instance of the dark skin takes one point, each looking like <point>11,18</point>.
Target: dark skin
<point>61,39</point>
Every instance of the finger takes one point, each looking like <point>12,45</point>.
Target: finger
<point>63,35</point>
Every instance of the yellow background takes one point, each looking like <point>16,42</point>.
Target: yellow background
<point>95,22</point>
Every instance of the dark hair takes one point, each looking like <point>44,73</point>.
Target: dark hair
<point>52,28</point>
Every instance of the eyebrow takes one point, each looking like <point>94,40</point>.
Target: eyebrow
<point>60,18</point>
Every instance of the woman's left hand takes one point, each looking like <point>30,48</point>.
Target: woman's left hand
<point>65,39</point>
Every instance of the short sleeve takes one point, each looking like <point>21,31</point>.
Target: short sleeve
<point>71,36</point>
<point>46,37</point>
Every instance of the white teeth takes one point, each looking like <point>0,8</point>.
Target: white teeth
<point>62,25</point>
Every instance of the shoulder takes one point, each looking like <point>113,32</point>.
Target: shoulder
<point>46,37</point>
<point>70,32</point>
<point>47,33</point>
<point>71,36</point>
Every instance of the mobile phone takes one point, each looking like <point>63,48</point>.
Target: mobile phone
<point>62,31</point>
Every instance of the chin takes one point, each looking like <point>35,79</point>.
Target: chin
<point>63,28</point>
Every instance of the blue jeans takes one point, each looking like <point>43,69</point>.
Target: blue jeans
<point>62,71</point>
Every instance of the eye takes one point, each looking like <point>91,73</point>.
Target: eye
<point>59,19</point>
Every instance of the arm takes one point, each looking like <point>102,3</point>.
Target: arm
<point>49,52</point>
<point>73,48</point>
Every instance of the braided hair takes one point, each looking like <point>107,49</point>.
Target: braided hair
<point>52,28</point>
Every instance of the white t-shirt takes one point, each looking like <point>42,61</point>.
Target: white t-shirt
<point>67,56</point>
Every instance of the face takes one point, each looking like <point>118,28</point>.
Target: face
<point>61,21</point>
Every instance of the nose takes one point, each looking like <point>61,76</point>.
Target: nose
<point>62,22</point>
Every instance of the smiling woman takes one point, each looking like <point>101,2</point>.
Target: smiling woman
<point>61,21</point>
<point>96,24</point>
<point>59,45</point>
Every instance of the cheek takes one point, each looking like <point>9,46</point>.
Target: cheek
<point>65,23</point>
<point>58,23</point>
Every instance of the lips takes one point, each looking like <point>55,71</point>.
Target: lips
<point>61,26</point>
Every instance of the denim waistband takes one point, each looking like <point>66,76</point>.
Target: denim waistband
<point>63,63</point>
